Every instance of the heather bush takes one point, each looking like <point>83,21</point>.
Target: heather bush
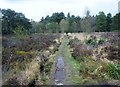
<point>101,41</point>
<point>109,52</point>
<point>113,52</point>
<point>17,49</point>
<point>91,41</point>
<point>80,50</point>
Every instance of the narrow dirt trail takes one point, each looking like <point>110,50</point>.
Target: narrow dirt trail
<point>64,71</point>
<point>57,75</point>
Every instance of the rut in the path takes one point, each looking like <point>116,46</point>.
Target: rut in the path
<point>59,72</point>
<point>59,75</point>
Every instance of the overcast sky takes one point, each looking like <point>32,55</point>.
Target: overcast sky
<point>35,9</point>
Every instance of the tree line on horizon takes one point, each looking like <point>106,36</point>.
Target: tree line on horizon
<point>16,23</point>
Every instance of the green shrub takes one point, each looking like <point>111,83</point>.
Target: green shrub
<point>20,31</point>
<point>101,41</point>
<point>113,71</point>
<point>91,41</point>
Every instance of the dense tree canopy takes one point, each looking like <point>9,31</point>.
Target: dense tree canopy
<point>58,22</point>
<point>12,19</point>
<point>116,22</point>
<point>109,22</point>
<point>101,22</point>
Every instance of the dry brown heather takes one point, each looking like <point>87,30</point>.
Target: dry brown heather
<point>98,56</point>
<point>23,57</point>
<point>83,36</point>
<point>111,42</point>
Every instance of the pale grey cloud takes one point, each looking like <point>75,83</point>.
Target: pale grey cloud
<point>35,9</point>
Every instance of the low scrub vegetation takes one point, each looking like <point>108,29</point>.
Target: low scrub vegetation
<point>98,58</point>
<point>80,50</point>
<point>93,40</point>
<point>19,52</point>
